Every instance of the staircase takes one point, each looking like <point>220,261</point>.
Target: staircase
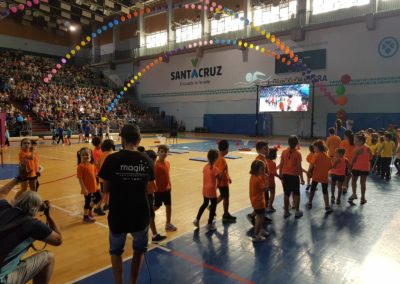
<point>38,127</point>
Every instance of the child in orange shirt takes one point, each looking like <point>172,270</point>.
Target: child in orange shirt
<point>349,146</point>
<point>151,188</point>
<point>257,198</point>
<point>272,173</point>
<point>309,159</point>
<point>86,173</point>
<point>319,168</point>
<point>26,160</point>
<point>223,184</point>
<point>96,142</point>
<point>291,173</point>
<point>332,142</point>
<point>262,150</point>
<point>210,176</point>
<point>360,167</point>
<point>163,182</point>
<point>38,169</point>
<point>338,174</point>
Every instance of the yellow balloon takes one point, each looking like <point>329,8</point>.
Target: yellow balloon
<point>68,56</point>
<point>83,43</point>
<point>136,77</point>
<point>77,47</point>
<point>129,85</point>
<point>132,81</point>
<point>257,47</point>
<point>104,119</point>
<point>263,32</point>
<point>251,45</point>
<point>72,52</point>
<point>88,38</point>
<point>258,29</point>
<point>268,35</point>
<point>262,50</point>
<point>125,89</point>
<point>139,74</point>
<point>245,44</point>
<point>273,40</point>
<point>240,43</point>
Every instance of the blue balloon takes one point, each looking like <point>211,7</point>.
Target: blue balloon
<point>104,28</point>
<point>234,42</point>
<point>110,24</point>
<point>116,22</point>
<point>94,35</point>
<point>99,31</point>
<point>119,96</point>
<point>216,41</point>
<point>247,22</point>
<point>112,104</point>
<point>20,119</point>
<point>228,41</point>
<point>222,41</point>
<point>121,93</point>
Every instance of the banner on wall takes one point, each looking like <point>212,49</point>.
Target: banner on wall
<point>196,75</point>
<point>314,59</point>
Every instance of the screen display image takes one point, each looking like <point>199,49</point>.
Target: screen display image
<point>284,98</point>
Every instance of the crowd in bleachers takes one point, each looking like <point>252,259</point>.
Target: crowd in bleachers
<point>75,93</point>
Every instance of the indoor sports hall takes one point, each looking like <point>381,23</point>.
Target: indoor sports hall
<point>240,141</point>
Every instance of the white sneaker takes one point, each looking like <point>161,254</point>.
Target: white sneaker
<point>298,214</point>
<point>170,228</point>
<point>257,239</point>
<point>196,223</point>
<point>211,227</point>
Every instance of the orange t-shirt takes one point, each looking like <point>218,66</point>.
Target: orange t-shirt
<point>221,164</point>
<point>210,175</point>
<point>272,173</point>
<point>362,162</point>
<point>264,160</point>
<point>87,173</point>
<point>256,192</point>
<point>25,157</point>
<point>349,149</point>
<point>290,159</point>
<point>322,164</point>
<point>161,171</point>
<point>340,168</point>
<point>152,187</point>
<point>309,157</point>
<point>100,163</point>
<point>333,142</point>
<point>96,158</point>
<point>36,161</point>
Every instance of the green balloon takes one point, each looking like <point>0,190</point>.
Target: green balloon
<point>340,90</point>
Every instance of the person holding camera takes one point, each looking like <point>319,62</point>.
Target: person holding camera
<point>18,230</point>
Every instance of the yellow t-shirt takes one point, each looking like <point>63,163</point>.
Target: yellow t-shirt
<point>387,149</point>
<point>374,148</point>
<point>368,140</point>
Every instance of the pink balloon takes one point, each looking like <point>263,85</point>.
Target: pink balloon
<point>186,6</point>
<point>21,7</point>
<point>214,4</point>
<point>199,7</point>
<point>35,2</point>
<point>211,9</point>
<point>207,1</point>
<point>58,66</point>
<point>14,9</point>
<point>193,6</point>
<point>29,3</point>
<point>211,41</point>
<point>190,46</point>
<point>46,80</point>
<point>54,71</point>
<point>49,76</point>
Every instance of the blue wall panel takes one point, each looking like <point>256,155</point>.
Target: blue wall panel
<point>238,123</point>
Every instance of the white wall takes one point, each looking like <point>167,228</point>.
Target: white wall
<point>32,45</point>
<point>351,49</point>
<point>106,48</point>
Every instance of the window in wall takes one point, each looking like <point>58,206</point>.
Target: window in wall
<point>324,6</point>
<point>267,14</point>
<point>227,24</point>
<point>159,38</point>
<point>188,32</point>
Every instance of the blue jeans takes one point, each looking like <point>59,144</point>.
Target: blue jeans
<point>139,242</point>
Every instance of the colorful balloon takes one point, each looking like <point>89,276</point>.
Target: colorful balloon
<point>342,100</point>
<point>340,90</point>
<point>345,79</point>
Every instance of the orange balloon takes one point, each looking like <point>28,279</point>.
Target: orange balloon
<point>129,16</point>
<point>273,54</point>
<point>151,64</point>
<point>296,59</point>
<point>287,50</point>
<point>291,54</point>
<point>143,70</point>
<point>282,46</point>
<point>288,63</point>
<point>342,100</point>
<point>283,59</point>
<point>278,57</point>
<point>160,59</point>
<point>123,18</point>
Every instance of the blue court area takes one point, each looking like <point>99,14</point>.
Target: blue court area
<point>205,145</point>
<point>355,244</point>
<point>8,171</point>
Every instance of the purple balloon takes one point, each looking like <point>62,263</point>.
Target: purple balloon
<point>63,61</point>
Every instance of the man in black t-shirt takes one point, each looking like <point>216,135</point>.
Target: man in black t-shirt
<point>126,175</point>
<point>18,230</point>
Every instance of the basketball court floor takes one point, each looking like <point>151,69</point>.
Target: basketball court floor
<point>355,244</point>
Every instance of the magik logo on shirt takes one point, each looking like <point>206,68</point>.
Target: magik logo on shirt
<point>137,168</point>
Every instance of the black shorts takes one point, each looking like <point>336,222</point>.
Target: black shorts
<point>150,197</point>
<point>357,173</point>
<point>162,197</point>
<point>291,184</point>
<point>337,178</point>
<point>224,191</point>
<point>260,211</point>
<point>86,135</point>
<point>32,178</point>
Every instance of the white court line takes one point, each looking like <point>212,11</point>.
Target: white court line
<point>66,197</point>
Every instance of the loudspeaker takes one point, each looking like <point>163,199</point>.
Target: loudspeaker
<point>163,114</point>
<point>298,34</point>
<point>370,21</point>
